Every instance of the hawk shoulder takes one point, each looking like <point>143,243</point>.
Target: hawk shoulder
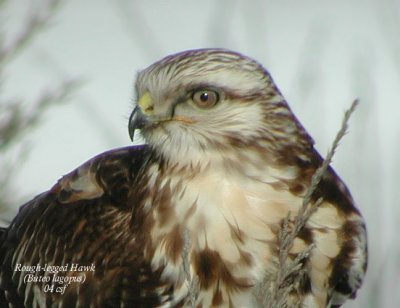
<point>84,220</point>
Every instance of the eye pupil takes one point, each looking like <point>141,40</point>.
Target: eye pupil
<point>204,97</point>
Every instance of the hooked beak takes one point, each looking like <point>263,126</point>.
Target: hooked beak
<point>139,117</point>
<point>137,120</point>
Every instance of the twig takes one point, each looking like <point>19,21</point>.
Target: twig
<point>191,281</point>
<point>279,287</point>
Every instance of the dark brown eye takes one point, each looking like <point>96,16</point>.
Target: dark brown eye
<point>205,98</point>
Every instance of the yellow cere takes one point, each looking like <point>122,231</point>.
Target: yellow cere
<point>146,104</point>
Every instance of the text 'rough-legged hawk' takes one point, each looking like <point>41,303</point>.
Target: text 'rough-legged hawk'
<point>225,161</point>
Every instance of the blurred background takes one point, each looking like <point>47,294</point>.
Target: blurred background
<point>66,87</point>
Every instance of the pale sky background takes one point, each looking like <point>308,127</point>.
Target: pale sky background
<point>321,54</point>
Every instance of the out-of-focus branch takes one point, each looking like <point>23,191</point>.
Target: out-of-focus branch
<point>16,117</point>
<point>274,291</point>
<point>35,22</point>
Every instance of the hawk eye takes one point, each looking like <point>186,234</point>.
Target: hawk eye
<point>205,98</point>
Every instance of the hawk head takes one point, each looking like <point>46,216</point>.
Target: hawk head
<point>210,103</point>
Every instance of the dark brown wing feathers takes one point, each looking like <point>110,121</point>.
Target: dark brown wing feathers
<point>95,232</point>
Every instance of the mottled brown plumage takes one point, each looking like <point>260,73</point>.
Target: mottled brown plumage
<point>225,162</point>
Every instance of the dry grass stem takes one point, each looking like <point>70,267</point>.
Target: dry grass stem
<point>273,292</point>
<point>191,281</point>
